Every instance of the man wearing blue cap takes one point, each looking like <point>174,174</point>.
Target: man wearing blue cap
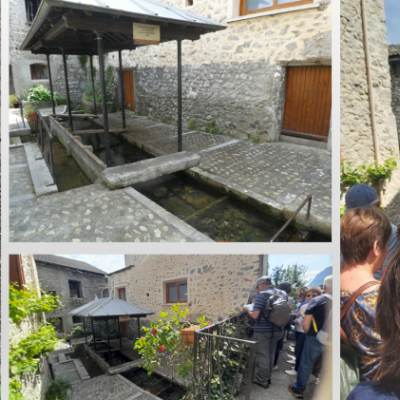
<point>361,195</point>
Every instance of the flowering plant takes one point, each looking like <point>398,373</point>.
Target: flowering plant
<point>163,342</point>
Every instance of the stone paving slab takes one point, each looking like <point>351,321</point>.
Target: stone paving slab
<point>278,175</point>
<point>87,214</point>
<point>109,387</point>
<point>280,382</point>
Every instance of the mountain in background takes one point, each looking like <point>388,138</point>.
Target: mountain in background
<point>319,279</point>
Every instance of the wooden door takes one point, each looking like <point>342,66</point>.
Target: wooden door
<point>128,86</point>
<point>124,325</point>
<point>308,102</point>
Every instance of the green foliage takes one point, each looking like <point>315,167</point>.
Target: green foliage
<point>211,127</point>
<point>165,120</point>
<point>24,355</point>
<point>39,93</point>
<point>256,139</point>
<point>58,390</point>
<point>192,124</point>
<point>29,110</point>
<point>82,60</point>
<point>109,78</point>
<point>79,331</point>
<point>58,99</point>
<point>13,99</point>
<point>23,303</point>
<point>163,341</point>
<point>367,173</point>
<point>295,274</point>
<point>342,210</point>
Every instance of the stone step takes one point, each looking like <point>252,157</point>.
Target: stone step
<point>142,171</point>
<point>81,369</point>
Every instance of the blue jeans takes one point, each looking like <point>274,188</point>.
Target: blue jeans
<point>311,351</point>
<point>298,350</point>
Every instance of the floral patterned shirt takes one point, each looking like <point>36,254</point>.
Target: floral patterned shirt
<point>359,326</point>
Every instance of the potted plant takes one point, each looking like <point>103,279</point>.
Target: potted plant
<point>14,100</point>
<point>188,329</point>
<point>30,112</point>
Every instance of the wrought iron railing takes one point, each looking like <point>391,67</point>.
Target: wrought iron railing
<point>223,359</point>
<point>44,138</point>
<point>307,200</point>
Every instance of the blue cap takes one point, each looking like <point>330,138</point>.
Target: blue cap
<point>360,195</point>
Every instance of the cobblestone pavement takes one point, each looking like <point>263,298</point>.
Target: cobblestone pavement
<point>109,387</point>
<point>89,213</point>
<point>278,174</point>
<point>280,382</point>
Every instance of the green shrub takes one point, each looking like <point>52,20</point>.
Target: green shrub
<point>79,331</point>
<point>39,93</point>
<point>256,139</point>
<point>192,125</point>
<point>58,390</point>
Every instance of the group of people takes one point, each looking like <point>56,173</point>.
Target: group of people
<point>311,319</point>
<point>370,297</point>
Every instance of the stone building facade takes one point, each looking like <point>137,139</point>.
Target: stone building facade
<point>76,282</point>
<point>21,62</point>
<point>394,62</point>
<point>357,146</point>
<point>237,76</point>
<point>214,285</point>
<point>34,386</point>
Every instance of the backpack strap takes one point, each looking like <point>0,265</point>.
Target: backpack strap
<point>349,303</point>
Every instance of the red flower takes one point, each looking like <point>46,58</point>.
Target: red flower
<point>141,337</point>
<point>141,363</point>
<point>208,323</point>
<point>154,331</point>
<point>161,349</point>
<point>190,319</point>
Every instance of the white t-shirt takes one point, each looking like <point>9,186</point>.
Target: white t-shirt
<point>299,326</point>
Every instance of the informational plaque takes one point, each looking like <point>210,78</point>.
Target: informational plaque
<point>146,34</point>
<point>124,319</point>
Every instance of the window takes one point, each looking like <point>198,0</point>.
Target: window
<point>255,6</point>
<point>176,292</point>
<point>122,294</point>
<point>75,289</point>
<point>39,71</point>
<point>76,320</point>
<point>188,3</point>
<point>31,7</point>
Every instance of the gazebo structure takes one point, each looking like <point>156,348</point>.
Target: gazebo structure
<point>102,311</point>
<point>92,27</point>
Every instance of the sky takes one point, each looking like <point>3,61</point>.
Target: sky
<point>315,262</point>
<point>105,262</point>
<point>392,11</point>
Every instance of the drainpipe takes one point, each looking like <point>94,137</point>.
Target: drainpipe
<point>371,93</point>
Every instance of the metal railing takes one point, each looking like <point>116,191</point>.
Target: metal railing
<point>223,359</point>
<point>44,138</point>
<point>307,200</point>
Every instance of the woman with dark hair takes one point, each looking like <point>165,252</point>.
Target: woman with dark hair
<point>364,237</point>
<point>387,386</point>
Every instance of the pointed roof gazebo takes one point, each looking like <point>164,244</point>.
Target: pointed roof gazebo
<point>92,27</point>
<point>109,308</point>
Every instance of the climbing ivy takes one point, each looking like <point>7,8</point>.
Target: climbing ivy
<point>366,173</point>
<point>25,354</point>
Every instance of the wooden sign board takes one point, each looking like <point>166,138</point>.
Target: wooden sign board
<point>146,34</point>
<point>124,319</point>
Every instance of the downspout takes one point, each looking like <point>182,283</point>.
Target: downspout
<point>371,94</point>
<point>260,273</point>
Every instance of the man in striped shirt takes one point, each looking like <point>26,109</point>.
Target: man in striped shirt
<point>266,334</point>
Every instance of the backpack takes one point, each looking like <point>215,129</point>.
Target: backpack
<point>277,310</point>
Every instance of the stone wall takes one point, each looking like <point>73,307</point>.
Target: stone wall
<point>21,60</point>
<point>394,62</point>
<point>56,279</point>
<point>217,285</point>
<point>34,386</point>
<point>356,131</point>
<point>235,76</point>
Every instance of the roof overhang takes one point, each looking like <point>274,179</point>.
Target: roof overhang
<point>71,24</point>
